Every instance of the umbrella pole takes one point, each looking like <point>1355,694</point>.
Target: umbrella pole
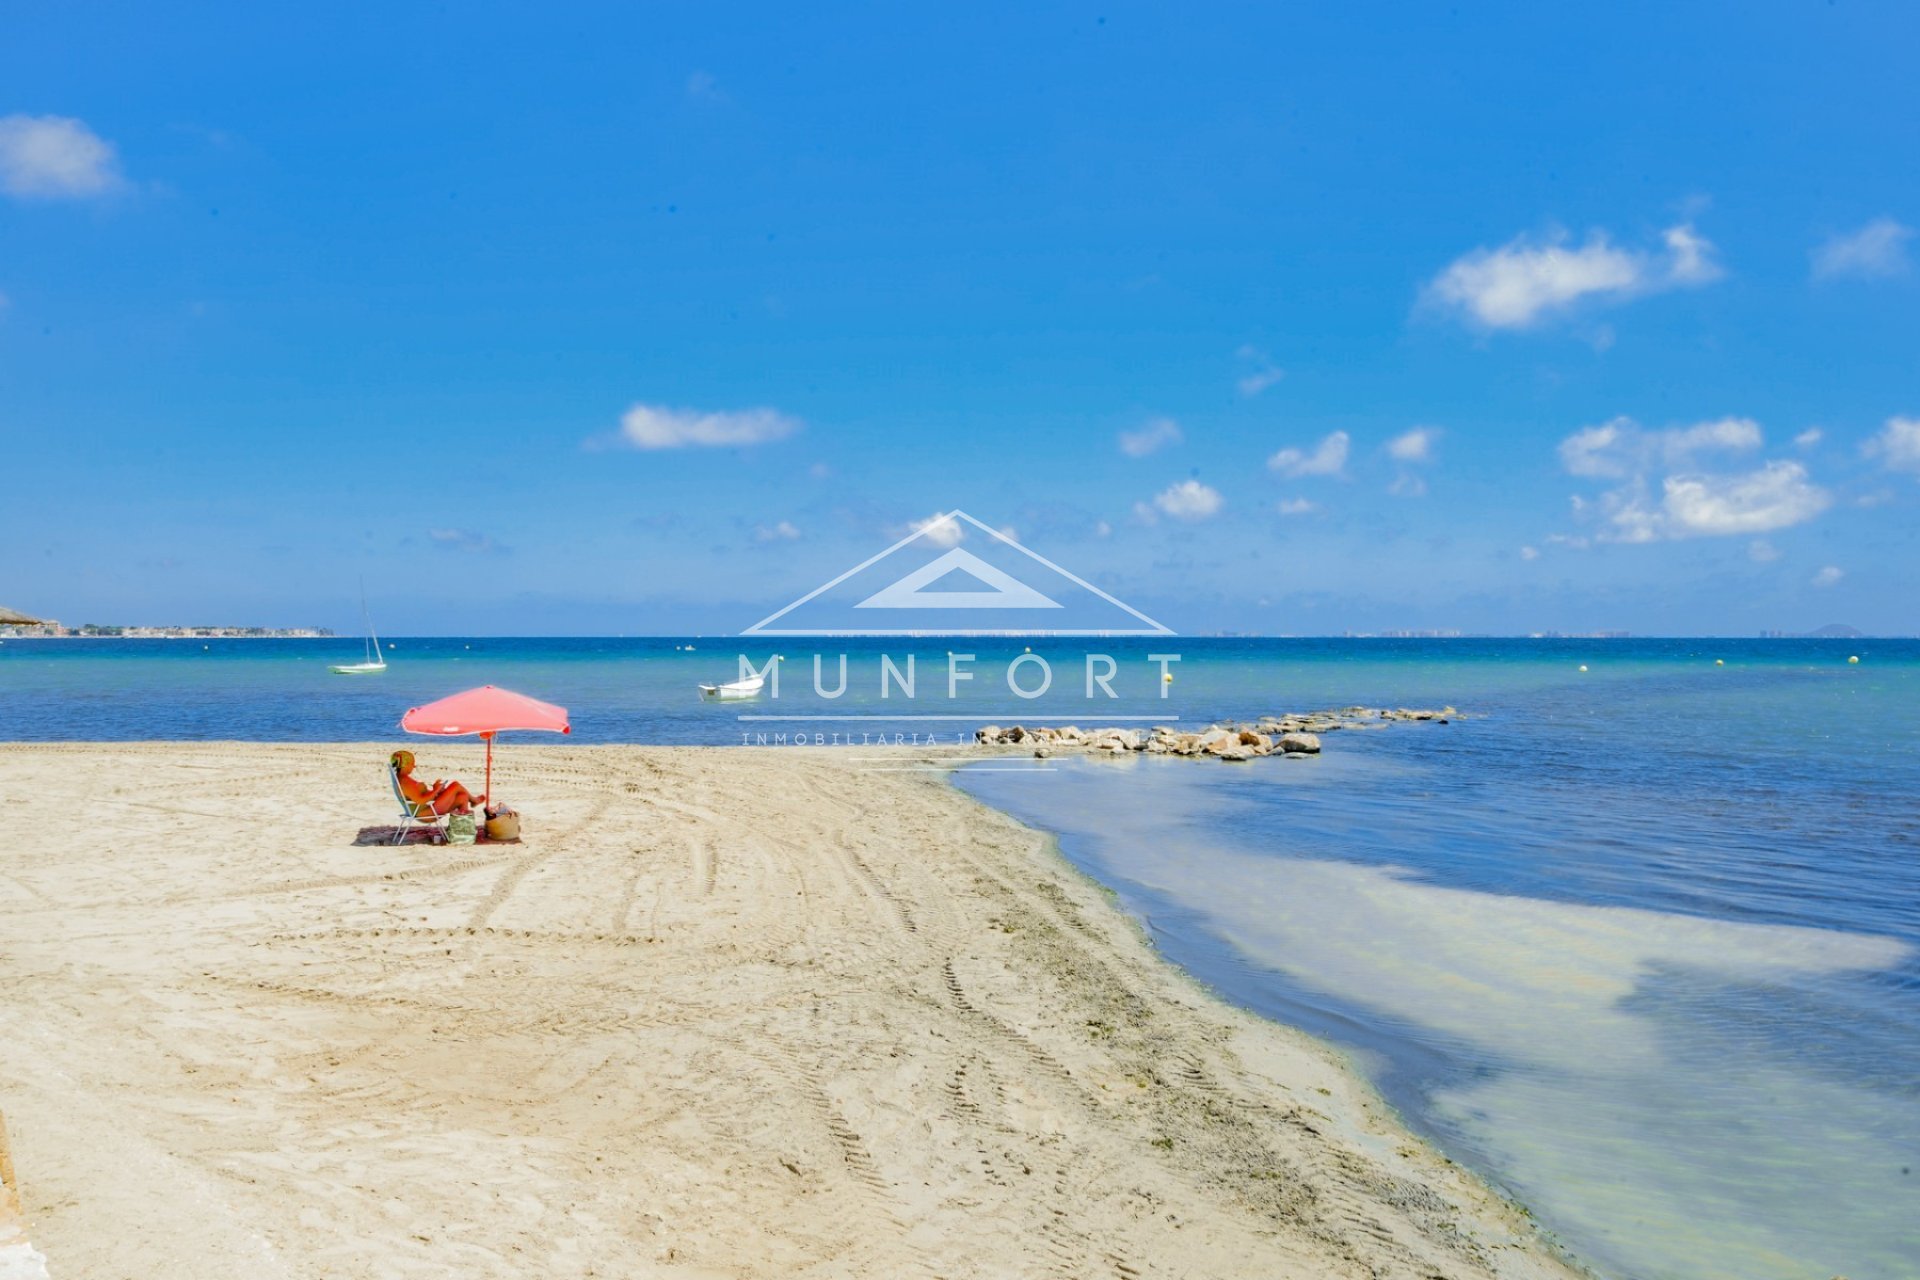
<point>489,768</point>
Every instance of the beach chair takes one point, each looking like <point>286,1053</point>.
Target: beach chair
<point>413,815</point>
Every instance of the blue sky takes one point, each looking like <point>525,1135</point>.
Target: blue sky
<point>611,320</point>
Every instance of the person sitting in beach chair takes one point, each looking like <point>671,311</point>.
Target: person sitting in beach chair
<point>437,798</point>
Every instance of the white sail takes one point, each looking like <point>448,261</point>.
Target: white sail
<point>376,658</point>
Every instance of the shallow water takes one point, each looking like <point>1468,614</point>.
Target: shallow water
<point>1640,942</point>
<point>1648,956</point>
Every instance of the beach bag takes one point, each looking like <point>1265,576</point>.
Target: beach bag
<point>461,828</point>
<point>503,824</point>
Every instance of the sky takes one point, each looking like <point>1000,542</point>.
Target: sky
<point>1280,319</point>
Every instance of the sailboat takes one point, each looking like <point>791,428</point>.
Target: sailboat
<point>376,659</point>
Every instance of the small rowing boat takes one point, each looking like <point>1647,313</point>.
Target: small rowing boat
<point>748,688</point>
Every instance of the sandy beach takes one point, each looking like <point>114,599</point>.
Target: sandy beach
<point>724,1012</point>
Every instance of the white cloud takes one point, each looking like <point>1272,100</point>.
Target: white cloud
<point>1777,496</point>
<point>1808,438</point>
<point>1295,507</point>
<point>1510,287</point>
<point>1413,446</point>
<point>784,531</point>
<point>1529,553</point>
<point>1630,516</point>
<point>1154,436</point>
<point>53,156</point>
<point>1189,500</point>
<point>1760,551</point>
<point>1593,451</point>
<point>466,540</point>
<point>1691,503</point>
<point>1829,576</point>
<point>1732,435</point>
<point>1327,458</point>
<point>1262,374</point>
<point>1898,445</point>
<point>1690,259</point>
<point>820,471</point>
<point>940,529</point>
<point>1411,449</point>
<point>648,426</point>
<point>1874,252</point>
<point>1622,447</point>
<point>1527,279</point>
<point>1102,530</point>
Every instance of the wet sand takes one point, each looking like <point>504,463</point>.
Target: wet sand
<point>724,1012</point>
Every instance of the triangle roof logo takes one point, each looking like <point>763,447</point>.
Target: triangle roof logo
<point>926,584</point>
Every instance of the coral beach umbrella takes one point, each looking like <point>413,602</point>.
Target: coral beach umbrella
<point>486,711</point>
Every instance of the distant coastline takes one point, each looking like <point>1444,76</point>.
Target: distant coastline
<point>54,631</point>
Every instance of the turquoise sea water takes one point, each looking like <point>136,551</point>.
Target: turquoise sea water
<point>1642,942</point>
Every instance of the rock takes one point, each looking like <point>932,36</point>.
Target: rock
<point>1114,739</point>
<point>1290,734</point>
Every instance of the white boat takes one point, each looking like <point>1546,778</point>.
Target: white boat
<point>748,688</point>
<point>376,660</point>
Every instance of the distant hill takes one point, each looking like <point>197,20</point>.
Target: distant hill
<point>1835,631</point>
<point>14,618</point>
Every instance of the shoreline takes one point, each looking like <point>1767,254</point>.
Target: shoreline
<point>727,1011</point>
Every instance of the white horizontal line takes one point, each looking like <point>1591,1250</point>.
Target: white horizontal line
<point>930,768</point>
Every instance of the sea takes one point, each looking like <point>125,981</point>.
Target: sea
<point>1635,934</point>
